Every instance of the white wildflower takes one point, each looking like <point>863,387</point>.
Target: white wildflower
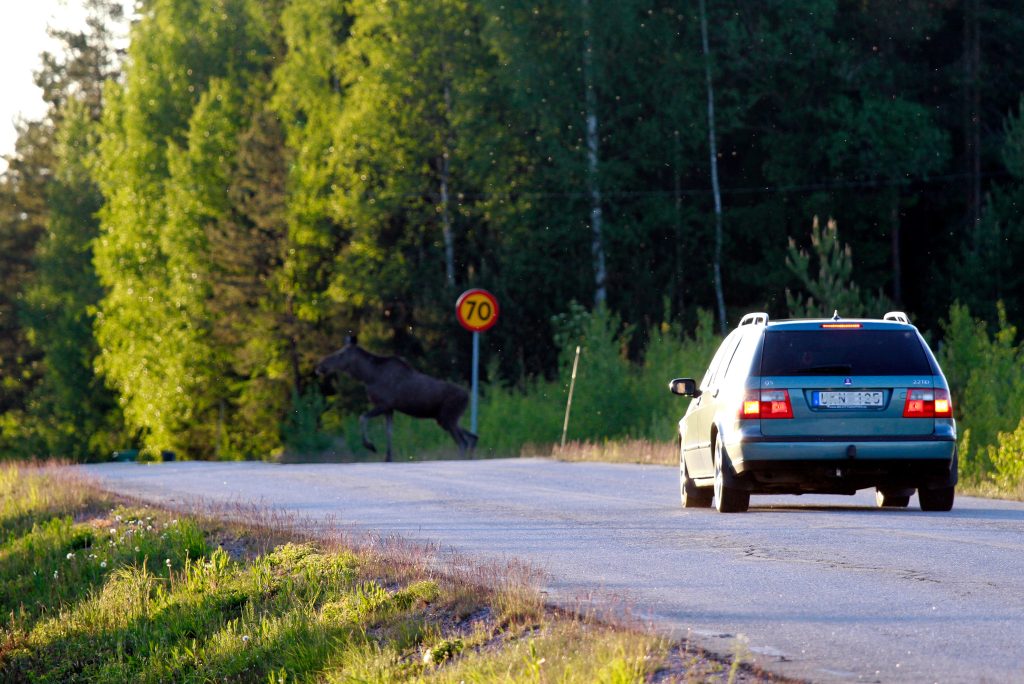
<point>103,564</point>
<point>113,530</point>
<point>168,562</point>
<point>55,574</point>
<point>136,549</point>
<point>245,638</point>
<point>117,518</point>
<point>70,556</point>
<point>428,656</point>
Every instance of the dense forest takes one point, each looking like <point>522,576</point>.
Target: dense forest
<point>201,216</point>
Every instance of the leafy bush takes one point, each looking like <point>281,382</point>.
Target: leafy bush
<point>1007,457</point>
<point>986,377</point>
<point>301,431</point>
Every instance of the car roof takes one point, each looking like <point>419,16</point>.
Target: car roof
<point>817,323</point>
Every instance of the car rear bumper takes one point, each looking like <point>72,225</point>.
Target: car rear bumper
<point>843,465</point>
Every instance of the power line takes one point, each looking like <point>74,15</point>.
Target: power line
<point>741,190</point>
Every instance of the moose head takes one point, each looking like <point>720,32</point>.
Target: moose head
<point>339,361</point>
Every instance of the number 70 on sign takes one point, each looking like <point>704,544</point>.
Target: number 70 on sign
<point>477,310</point>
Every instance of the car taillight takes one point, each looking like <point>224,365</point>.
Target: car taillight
<point>766,404</point>
<point>928,403</point>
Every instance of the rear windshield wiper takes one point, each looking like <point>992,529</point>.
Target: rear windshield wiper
<point>825,369</point>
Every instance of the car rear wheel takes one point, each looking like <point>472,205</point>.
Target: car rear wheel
<point>893,498</point>
<point>940,499</point>
<point>692,496</point>
<point>727,499</point>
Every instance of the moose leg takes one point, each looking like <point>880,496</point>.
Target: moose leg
<point>448,418</point>
<point>456,432</point>
<point>365,419</point>
<point>471,440</point>
<point>388,418</point>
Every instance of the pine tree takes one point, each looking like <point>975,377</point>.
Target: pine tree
<point>832,288</point>
<point>23,217</point>
<point>72,413</point>
<point>253,315</point>
<point>988,272</point>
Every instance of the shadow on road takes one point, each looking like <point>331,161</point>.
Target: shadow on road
<point>966,512</point>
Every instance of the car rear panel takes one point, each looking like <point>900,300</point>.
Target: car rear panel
<point>813,416</point>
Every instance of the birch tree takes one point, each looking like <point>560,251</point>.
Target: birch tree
<point>716,263</point>
<point>593,159</point>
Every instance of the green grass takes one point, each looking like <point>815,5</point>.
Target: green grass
<point>98,590</point>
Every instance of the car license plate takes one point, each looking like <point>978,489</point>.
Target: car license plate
<point>835,400</point>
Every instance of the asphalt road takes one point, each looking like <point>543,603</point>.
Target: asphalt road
<point>826,588</point>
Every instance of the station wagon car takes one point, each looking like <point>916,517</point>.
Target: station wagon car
<point>826,406</point>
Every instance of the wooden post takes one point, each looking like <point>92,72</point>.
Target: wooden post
<point>572,386</point>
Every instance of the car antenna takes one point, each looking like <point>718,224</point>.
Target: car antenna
<point>835,316</point>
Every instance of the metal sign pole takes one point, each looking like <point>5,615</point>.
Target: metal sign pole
<point>476,382</point>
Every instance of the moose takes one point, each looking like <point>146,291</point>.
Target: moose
<point>393,385</point>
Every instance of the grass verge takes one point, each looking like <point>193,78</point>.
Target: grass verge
<point>645,451</point>
<point>991,489</point>
<point>98,589</point>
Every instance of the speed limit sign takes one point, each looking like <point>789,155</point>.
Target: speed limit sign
<point>477,310</point>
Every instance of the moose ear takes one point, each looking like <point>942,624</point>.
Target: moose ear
<point>351,340</point>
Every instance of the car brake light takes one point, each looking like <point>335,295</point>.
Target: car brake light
<point>766,404</point>
<point>841,326</point>
<point>927,403</point>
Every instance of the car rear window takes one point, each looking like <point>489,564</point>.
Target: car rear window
<point>843,352</point>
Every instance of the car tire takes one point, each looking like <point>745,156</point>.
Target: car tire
<point>940,499</point>
<point>691,495</point>
<point>727,499</point>
<point>892,498</point>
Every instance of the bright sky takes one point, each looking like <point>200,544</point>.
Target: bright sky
<point>23,37</point>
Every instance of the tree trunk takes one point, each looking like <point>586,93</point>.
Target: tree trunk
<point>897,271</point>
<point>713,151</point>
<point>972,112</point>
<point>593,182</point>
<point>446,214</point>
<point>293,348</point>
<point>678,279</point>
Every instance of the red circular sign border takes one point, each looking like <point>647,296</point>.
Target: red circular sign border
<point>490,297</point>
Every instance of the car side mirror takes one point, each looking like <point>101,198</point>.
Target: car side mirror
<point>684,387</point>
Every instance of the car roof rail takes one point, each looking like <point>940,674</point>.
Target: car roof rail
<point>897,316</point>
<point>757,318</point>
